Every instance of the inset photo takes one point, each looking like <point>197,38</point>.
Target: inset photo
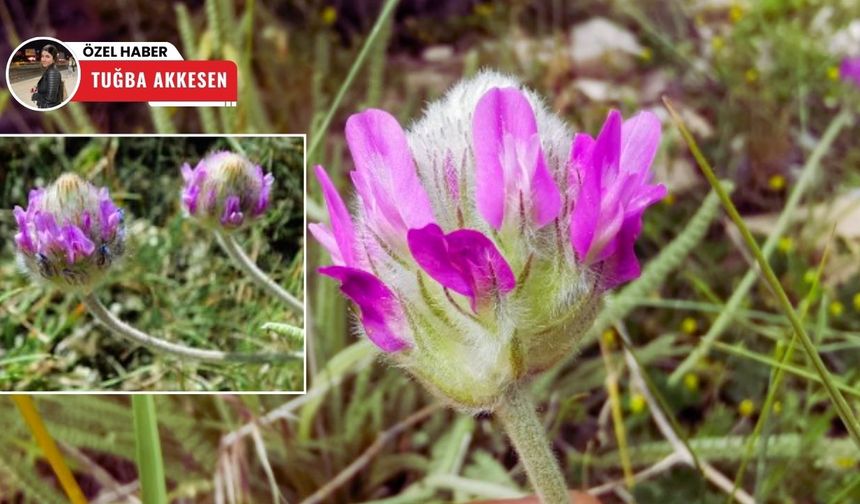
<point>42,74</point>
<point>152,263</point>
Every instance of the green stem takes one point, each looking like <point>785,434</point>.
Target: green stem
<point>261,279</point>
<point>783,356</point>
<point>150,465</point>
<point>518,417</point>
<point>842,407</point>
<point>319,133</point>
<point>120,328</point>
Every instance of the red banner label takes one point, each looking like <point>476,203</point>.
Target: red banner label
<point>157,81</point>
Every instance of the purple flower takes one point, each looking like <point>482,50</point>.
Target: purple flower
<point>70,233</point>
<point>610,187</point>
<point>483,238</point>
<point>395,210</point>
<point>225,190</point>
<point>849,70</point>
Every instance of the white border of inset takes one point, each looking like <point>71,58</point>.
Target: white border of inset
<point>305,323</point>
<point>77,74</point>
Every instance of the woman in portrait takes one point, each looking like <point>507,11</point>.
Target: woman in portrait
<point>49,91</point>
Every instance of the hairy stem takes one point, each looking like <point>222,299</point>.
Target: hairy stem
<point>261,279</point>
<point>120,328</point>
<point>519,419</point>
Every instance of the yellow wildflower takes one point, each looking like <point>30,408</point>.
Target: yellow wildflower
<point>637,403</point>
<point>746,408</point>
<point>610,338</point>
<point>329,15</point>
<point>836,308</point>
<point>776,182</point>
<point>691,381</point>
<point>689,325</point>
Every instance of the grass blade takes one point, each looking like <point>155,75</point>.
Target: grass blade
<point>725,318</point>
<point>842,407</point>
<point>49,448</point>
<point>150,465</point>
<point>375,33</point>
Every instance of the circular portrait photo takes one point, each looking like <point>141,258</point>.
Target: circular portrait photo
<point>42,74</point>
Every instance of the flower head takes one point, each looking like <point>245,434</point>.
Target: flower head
<point>484,237</point>
<point>849,70</point>
<point>225,190</point>
<point>70,233</point>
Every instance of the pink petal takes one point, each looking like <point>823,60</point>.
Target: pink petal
<point>381,314</point>
<point>265,189</point>
<point>76,243</point>
<point>623,266</point>
<point>640,137</point>
<point>187,172</point>
<point>387,172</point>
<point>545,196</point>
<point>586,204</point>
<point>328,241</point>
<point>47,232</point>
<point>504,135</point>
<point>464,261</point>
<point>480,257</point>
<point>499,112</point>
<point>606,155</point>
<point>22,238</point>
<point>110,216</point>
<point>430,250</point>
<point>232,214</point>
<point>580,157</point>
<point>342,228</point>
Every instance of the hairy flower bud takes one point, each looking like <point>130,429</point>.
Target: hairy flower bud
<point>225,190</point>
<point>70,233</point>
<point>485,236</point>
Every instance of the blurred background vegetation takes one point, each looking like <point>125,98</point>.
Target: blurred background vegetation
<point>174,282</point>
<point>757,83</point>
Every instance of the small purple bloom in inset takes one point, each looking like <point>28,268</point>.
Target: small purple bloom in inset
<point>232,212</point>
<point>225,190</point>
<point>70,233</point>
